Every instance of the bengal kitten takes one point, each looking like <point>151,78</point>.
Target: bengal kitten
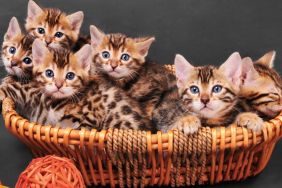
<point>261,91</point>
<point>207,96</point>
<point>69,97</point>
<point>53,26</point>
<point>122,60</point>
<point>16,52</point>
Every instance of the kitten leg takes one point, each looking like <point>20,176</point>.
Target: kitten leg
<point>250,120</point>
<point>189,124</point>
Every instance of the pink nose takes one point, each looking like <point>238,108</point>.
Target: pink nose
<point>58,85</point>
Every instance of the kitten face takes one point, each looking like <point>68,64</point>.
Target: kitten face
<point>61,73</point>
<point>208,91</point>
<point>16,51</point>
<point>52,26</point>
<point>262,86</point>
<point>118,55</point>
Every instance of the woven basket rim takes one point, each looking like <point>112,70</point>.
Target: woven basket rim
<point>8,108</point>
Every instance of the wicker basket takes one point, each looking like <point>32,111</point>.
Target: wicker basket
<point>139,158</point>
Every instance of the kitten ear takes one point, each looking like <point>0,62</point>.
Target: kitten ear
<point>76,20</point>
<point>143,45</point>
<point>267,59</point>
<point>84,57</point>
<point>39,52</point>
<point>96,36</point>
<point>232,68</point>
<point>13,29</point>
<point>249,72</point>
<point>182,69</point>
<point>33,10</point>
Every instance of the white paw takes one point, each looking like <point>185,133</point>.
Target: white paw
<point>188,124</point>
<point>250,120</point>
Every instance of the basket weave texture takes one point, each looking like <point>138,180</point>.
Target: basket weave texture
<point>139,158</point>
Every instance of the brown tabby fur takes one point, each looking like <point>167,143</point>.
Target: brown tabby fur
<point>54,20</point>
<point>263,93</point>
<point>93,103</point>
<point>144,81</point>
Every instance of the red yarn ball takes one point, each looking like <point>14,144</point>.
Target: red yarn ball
<point>51,171</point>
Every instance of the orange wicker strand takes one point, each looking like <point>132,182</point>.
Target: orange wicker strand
<point>51,171</point>
<point>136,158</point>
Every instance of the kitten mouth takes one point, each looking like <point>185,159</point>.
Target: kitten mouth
<point>205,108</point>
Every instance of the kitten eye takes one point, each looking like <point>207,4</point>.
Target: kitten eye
<point>40,30</point>
<point>27,60</point>
<point>125,57</point>
<point>70,76</point>
<point>217,88</point>
<point>194,89</point>
<point>106,55</point>
<point>49,73</point>
<point>12,50</point>
<point>59,34</point>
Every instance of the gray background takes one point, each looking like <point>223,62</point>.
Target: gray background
<point>205,32</point>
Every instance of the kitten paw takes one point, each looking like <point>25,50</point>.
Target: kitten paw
<point>188,124</point>
<point>250,120</point>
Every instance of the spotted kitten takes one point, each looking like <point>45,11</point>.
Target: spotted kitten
<point>73,99</point>
<point>207,96</point>
<point>16,52</point>
<point>122,60</point>
<point>53,26</point>
<point>261,91</point>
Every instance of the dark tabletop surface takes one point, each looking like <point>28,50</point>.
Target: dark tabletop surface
<point>205,32</point>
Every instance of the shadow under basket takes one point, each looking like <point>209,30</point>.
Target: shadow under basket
<point>139,158</point>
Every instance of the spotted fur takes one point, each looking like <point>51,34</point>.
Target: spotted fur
<point>261,91</point>
<point>82,101</point>
<point>16,52</point>
<point>144,81</point>
<point>208,93</point>
<point>54,27</point>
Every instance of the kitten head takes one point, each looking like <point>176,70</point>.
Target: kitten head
<point>61,73</point>
<point>117,55</point>
<point>53,26</point>
<point>208,91</point>
<point>16,51</point>
<point>262,85</point>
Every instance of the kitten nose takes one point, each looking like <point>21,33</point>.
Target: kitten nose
<point>58,84</point>
<point>114,65</point>
<point>13,63</point>
<point>48,40</point>
<point>205,100</point>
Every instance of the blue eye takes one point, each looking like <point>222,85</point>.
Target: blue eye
<point>70,76</point>
<point>125,57</point>
<point>49,73</point>
<point>217,88</point>
<point>40,30</point>
<point>59,34</point>
<point>106,55</point>
<point>12,50</point>
<point>27,60</point>
<point>194,89</point>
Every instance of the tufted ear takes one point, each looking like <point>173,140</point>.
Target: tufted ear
<point>249,72</point>
<point>76,20</point>
<point>182,70</point>
<point>97,36</point>
<point>143,45</point>
<point>33,11</point>
<point>39,52</point>
<point>232,68</point>
<point>84,57</point>
<point>267,59</point>
<point>13,29</point>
